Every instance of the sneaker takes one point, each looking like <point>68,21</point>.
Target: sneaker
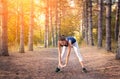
<point>57,69</point>
<point>84,70</point>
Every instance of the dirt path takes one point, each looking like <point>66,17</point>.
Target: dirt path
<point>41,64</point>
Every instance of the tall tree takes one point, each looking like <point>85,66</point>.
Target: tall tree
<point>21,50</point>
<point>86,21</point>
<point>118,47</point>
<point>51,22</point>
<point>4,36</point>
<point>56,21</point>
<point>0,29</point>
<point>100,18</point>
<point>83,19</point>
<point>108,25</point>
<point>46,24</point>
<point>17,23</point>
<point>59,16</point>
<point>90,28</point>
<point>30,38</point>
<point>117,20</point>
<point>118,44</point>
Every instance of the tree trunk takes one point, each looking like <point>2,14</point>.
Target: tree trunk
<point>118,48</point>
<point>86,22</point>
<point>59,19</point>
<point>0,30</point>
<point>30,38</point>
<point>108,25</point>
<point>56,22</point>
<point>117,20</point>
<point>4,36</point>
<point>51,24</point>
<point>21,50</point>
<point>46,25</point>
<point>90,28</point>
<point>83,19</point>
<point>100,18</point>
<point>17,27</point>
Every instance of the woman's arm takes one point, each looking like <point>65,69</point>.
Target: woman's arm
<point>68,53</point>
<point>59,54</point>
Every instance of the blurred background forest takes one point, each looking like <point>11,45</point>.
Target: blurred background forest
<point>25,24</point>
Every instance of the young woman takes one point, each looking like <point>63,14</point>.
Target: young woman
<point>68,43</point>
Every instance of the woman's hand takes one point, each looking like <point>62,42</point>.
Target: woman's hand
<point>64,65</point>
<point>61,65</point>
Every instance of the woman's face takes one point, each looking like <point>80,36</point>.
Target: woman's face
<point>63,42</point>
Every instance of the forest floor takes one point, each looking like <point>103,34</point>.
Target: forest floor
<point>41,64</point>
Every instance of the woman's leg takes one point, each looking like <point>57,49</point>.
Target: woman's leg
<point>63,53</point>
<point>77,52</point>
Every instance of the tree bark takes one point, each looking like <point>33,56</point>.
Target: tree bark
<point>118,48</point>
<point>21,50</point>
<point>4,34</point>
<point>51,23</point>
<point>86,22</point>
<point>108,25</point>
<point>30,38</point>
<point>117,20</point>
<point>0,30</point>
<point>59,19</point>
<point>17,27</point>
<point>46,24</point>
<point>83,19</point>
<point>90,28</point>
<point>56,23</point>
<point>100,18</point>
<point>118,43</point>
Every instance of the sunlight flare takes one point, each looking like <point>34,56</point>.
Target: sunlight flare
<point>71,3</point>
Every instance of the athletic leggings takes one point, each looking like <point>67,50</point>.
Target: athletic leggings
<point>76,49</point>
